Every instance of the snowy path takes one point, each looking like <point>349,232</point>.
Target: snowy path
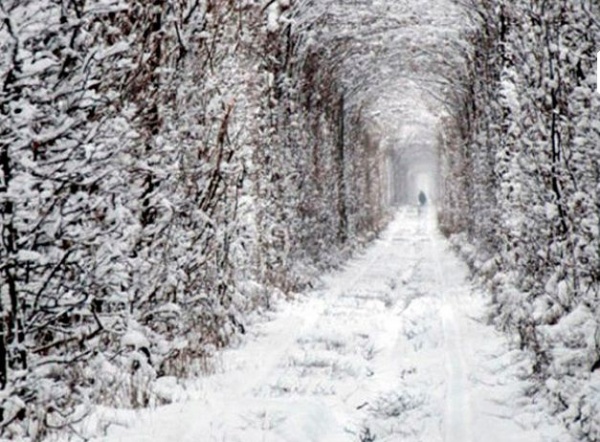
<point>390,349</point>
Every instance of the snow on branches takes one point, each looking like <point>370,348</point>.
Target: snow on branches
<point>530,175</point>
<point>165,168</point>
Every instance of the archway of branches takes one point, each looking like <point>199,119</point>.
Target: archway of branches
<point>396,61</point>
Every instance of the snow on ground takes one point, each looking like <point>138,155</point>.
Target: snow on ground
<point>391,348</point>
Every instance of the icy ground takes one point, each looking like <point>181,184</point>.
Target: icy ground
<point>391,348</point>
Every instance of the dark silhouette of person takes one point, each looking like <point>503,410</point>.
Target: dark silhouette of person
<point>422,199</point>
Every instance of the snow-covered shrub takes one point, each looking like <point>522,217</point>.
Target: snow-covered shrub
<point>526,162</point>
<point>165,168</point>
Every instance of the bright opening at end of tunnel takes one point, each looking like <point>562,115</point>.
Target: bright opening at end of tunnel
<point>407,121</point>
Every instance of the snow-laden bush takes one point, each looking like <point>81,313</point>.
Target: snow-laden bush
<point>526,163</point>
<point>166,167</point>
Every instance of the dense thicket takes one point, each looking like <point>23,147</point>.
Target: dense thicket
<point>165,168</point>
<point>524,156</point>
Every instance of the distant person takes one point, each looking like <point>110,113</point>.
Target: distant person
<point>422,199</point>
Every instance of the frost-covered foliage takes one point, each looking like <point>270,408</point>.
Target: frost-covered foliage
<point>525,157</point>
<point>165,168</point>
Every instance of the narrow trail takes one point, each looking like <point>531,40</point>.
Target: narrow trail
<point>458,412</point>
<point>391,348</point>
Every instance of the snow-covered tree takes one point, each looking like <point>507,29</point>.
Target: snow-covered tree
<point>529,164</point>
<point>165,168</point>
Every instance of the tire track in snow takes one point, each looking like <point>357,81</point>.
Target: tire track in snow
<point>458,419</point>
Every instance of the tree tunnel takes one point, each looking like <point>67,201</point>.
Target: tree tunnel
<point>396,61</point>
<point>414,166</point>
